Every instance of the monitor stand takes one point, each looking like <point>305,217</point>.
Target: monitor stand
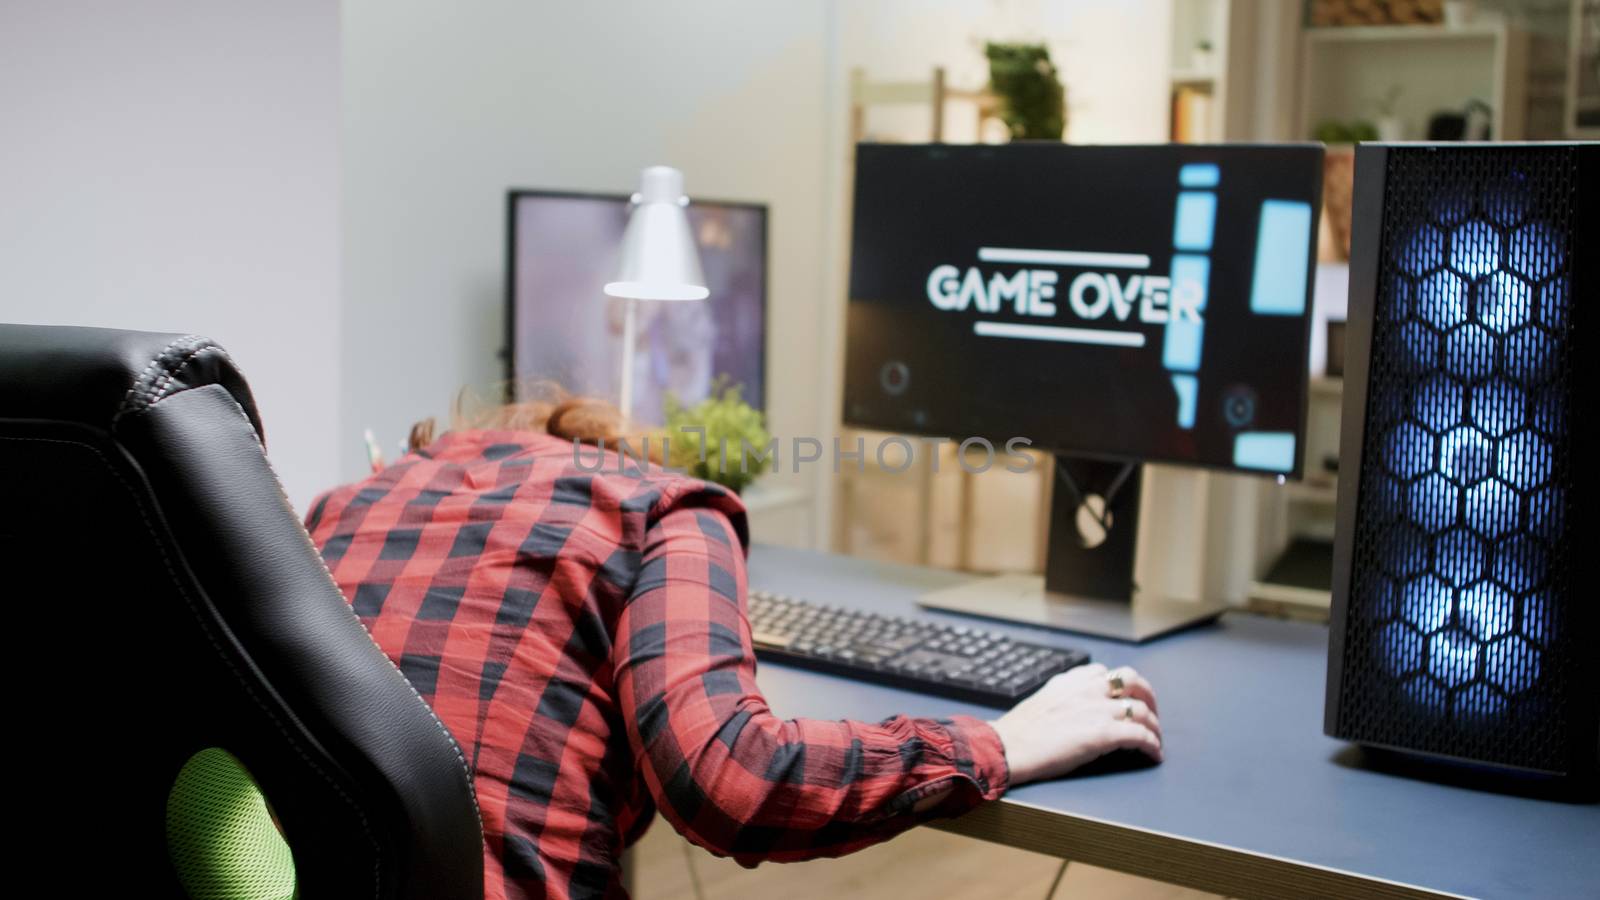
<point>1088,585</point>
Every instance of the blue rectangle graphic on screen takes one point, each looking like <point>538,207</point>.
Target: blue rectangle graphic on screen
<point>1283,252</point>
<point>1199,175</point>
<point>1197,215</point>
<point>1187,388</point>
<point>1267,451</point>
<point>1190,276</point>
<point>1181,350</point>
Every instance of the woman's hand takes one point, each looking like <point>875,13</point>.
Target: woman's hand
<point>1075,718</point>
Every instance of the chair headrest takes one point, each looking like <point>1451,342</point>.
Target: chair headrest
<point>94,376</point>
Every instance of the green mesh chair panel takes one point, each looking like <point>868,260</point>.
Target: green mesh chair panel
<point>220,836</point>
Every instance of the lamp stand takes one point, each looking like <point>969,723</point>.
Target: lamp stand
<point>630,325</point>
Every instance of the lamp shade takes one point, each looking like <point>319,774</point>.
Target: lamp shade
<point>659,259</point>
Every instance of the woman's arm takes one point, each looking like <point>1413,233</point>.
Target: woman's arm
<point>727,773</point>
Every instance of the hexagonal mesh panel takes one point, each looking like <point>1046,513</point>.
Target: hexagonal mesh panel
<point>1455,630</point>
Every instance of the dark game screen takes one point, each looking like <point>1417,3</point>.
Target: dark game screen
<point>1145,303</point>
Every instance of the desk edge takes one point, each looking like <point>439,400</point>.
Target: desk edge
<point>1198,864</point>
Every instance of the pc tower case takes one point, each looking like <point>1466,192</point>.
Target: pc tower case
<point>1462,622</point>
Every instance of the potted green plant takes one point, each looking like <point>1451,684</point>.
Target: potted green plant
<point>721,439</point>
<point>1033,102</point>
<point>1333,131</point>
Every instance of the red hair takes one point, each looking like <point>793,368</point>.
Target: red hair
<point>547,409</point>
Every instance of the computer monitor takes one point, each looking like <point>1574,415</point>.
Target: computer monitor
<point>562,249</point>
<point>1116,305</point>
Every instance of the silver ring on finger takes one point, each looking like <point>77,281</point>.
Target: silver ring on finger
<point>1127,709</point>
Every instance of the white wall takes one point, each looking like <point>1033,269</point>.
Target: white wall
<point>178,168</point>
<point>172,165</point>
<point>444,110</point>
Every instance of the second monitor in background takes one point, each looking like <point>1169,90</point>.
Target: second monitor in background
<point>564,247</point>
<point>1115,305</point>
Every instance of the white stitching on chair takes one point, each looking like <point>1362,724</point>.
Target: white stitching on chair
<point>472,790</point>
<point>216,645</point>
<point>131,399</point>
<point>153,393</point>
<point>154,387</point>
<point>157,393</point>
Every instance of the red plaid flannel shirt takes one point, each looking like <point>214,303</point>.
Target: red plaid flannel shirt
<point>583,636</point>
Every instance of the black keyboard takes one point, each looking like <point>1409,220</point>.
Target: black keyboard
<point>959,661</point>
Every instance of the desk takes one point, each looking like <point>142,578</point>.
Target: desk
<point>1253,800</point>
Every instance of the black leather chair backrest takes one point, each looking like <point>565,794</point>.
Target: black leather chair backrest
<point>161,597</point>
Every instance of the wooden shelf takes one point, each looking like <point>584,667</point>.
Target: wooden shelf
<point>1285,602</point>
<point>1435,67</point>
<point>1299,580</point>
<point>1193,77</point>
<point>1317,492</point>
<point>1205,45</point>
<point>1353,33</point>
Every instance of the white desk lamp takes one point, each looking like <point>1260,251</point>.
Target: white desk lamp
<point>659,259</point>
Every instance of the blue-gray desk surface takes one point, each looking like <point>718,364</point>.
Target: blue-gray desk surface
<point>1248,769</point>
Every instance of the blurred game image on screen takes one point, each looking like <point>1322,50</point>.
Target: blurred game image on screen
<point>565,247</point>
